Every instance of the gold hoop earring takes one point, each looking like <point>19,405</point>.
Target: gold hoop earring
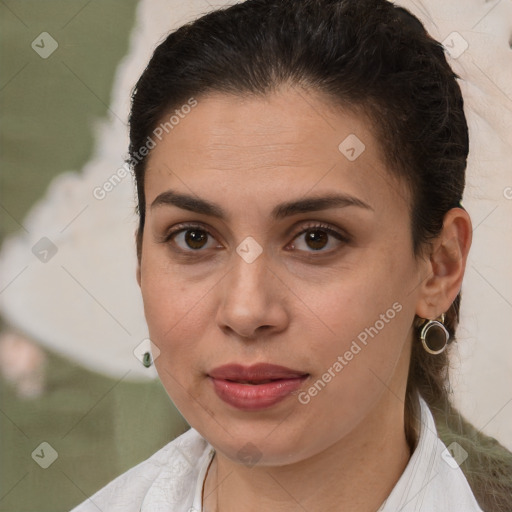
<point>437,340</point>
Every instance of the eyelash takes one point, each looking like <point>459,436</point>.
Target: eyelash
<point>309,227</point>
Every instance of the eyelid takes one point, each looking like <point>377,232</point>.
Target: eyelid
<point>332,230</point>
<point>184,226</point>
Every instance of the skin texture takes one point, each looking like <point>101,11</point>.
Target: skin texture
<point>293,305</point>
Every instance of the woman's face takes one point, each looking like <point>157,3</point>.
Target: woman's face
<point>334,304</point>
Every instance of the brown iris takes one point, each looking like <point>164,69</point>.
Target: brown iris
<point>195,238</point>
<point>316,239</point>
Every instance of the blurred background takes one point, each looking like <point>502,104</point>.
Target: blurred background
<point>77,406</point>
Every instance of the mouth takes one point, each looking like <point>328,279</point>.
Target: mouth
<point>255,387</point>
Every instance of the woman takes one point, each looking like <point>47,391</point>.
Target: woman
<point>302,245</point>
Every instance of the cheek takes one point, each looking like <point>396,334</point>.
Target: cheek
<point>167,290</point>
<point>362,314</point>
<point>175,316</point>
<point>172,304</point>
<point>357,341</point>
<point>352,299</point>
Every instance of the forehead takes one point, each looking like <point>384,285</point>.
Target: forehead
<point>288,142</point>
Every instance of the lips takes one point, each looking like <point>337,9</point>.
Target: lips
<point>256,387</point>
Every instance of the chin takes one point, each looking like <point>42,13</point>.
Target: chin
<point>252,444</point>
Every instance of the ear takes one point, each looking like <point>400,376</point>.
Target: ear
<point>138,243</point>
<point>446,265</point>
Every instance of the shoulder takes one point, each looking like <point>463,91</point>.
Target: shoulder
<point>177,461</point>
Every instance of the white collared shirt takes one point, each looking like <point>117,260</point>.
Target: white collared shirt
<point>171,480</point>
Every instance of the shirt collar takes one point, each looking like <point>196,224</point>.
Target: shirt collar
<point>432,479</point>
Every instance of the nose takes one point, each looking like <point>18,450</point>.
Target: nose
<point>253,301</point>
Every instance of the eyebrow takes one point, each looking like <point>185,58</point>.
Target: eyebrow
<point>280,211</point>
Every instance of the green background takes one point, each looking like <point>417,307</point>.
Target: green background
<point>100,427</point>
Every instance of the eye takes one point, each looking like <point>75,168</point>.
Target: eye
<point>194,237</point>
<point>317,238</point>
<point>189,236</point>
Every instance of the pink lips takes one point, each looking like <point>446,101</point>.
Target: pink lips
<point>255,387</point>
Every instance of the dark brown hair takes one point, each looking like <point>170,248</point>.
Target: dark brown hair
<point>364,54</point>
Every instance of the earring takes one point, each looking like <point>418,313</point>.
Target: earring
<point>434,335</point>
<point>147,360</point>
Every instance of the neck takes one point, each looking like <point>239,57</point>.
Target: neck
<point>357,473</point>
